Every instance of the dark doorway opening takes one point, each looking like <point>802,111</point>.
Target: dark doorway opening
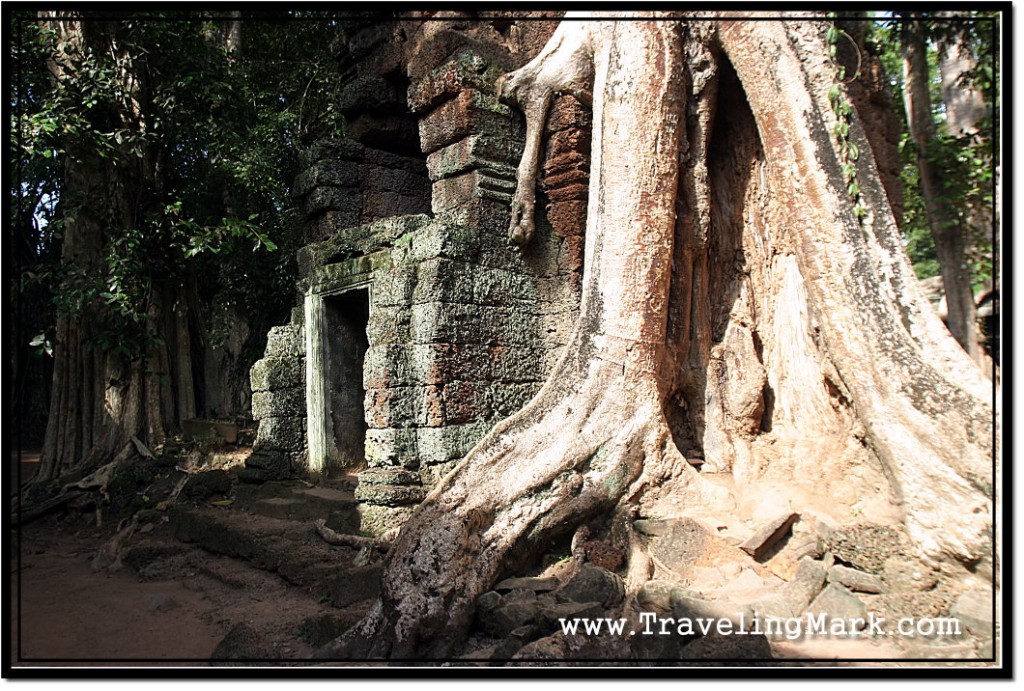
<point>345,319</point>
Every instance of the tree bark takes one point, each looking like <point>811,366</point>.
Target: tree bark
<point>733,303</point>
<point>947,231</point>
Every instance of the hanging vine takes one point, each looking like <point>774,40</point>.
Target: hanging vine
<point>843,109</point>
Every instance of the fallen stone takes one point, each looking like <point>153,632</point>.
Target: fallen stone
<point>516,639</point>
<point>656,593</point>
<point>592,584</point>
<point>508,617</point>
<point>520,595</point>
<point>867,546</point>
<point>684,607</point>
<point>550,616</point>
<point>855,580</point>
<point>768,535</point>
<point>746,582</point>
<point>836,602</point>
<point>773,606</point>
<point>974,609</point>
<point>806,584</point>
<point>902,574</point>
<point>534,583</point>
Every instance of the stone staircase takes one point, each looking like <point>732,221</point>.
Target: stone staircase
<point>270,526</point>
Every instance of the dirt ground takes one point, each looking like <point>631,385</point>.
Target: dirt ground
<point>176,611</point>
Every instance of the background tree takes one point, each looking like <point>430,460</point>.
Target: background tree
<point>153,153</point>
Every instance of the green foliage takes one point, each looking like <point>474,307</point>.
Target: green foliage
<point>205,138</point>
<point>966,162</point>
<point>848,151</point>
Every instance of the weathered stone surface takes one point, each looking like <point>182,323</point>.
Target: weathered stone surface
<point>806,584</point>
<point>277,373</point>
<point>836,602</point>
<point>327,173</point>
<point>656,593</point>
<point>284,342</point>
<point>854,579</point>
<point>867,546</point>
<point>684,607</point>
<point>390,495</point>
<point>535,583</point>
<point>354,585</point>
<point>441,444</point>
<point>389,476</point>
<point>279,403</point>
<point>266,464</point>
<point>476,151</point>
<point>466,401</point>
<point>283,433</point>
<point>683,543</point>
<point>975,609</point>
<point>550,616</point>
<point>767,535</point>
<point>391,447</point>
<point>901,573</point>
<point>495,183</point>
<point>592,584</point>
<point>471,112</point>
<point>509,616</point>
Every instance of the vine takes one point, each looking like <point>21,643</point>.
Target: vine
<point>848,151</point>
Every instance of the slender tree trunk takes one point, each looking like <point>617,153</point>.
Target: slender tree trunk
<point>947,230</point>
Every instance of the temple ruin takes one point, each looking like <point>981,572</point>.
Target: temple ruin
<point>418,326</point>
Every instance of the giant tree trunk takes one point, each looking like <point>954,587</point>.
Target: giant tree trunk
<point>732,302</point>
<point>946,228</point>
<point>101,397</point>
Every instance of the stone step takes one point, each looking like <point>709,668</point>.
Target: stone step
<point>291,549</point>
<point>298,502</point>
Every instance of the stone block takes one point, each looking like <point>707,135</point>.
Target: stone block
<point>507,399</point>
<point>444,280</point>
<point>279,403</point>
<point>376,520</point>
<point>388,365</point>
<point>466,401</point>
<point>500,287</point>
<point>390,495</point>
<point>466,71</point>
<point>370,93</point>
<point>389,325</point>
<point>393,288</point>
<point>468,189</point>
<point>592,584</point>
<point>567,112</point>
<point>387,448</point>
<point>854,579</point>
<point>285,341</point>
<point>389,476</point>
<point>283,433</point>
<point>449,443</point>
<point>767,535</point>
<point>975,609</point>
<point>273,373</point>
<point>327,173</point>
<point>348,200</point>
<point>836,602</point>
<point>471,112</point>
<point>475,151</point>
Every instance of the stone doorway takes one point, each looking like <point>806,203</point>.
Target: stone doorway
<point>337,345</point>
